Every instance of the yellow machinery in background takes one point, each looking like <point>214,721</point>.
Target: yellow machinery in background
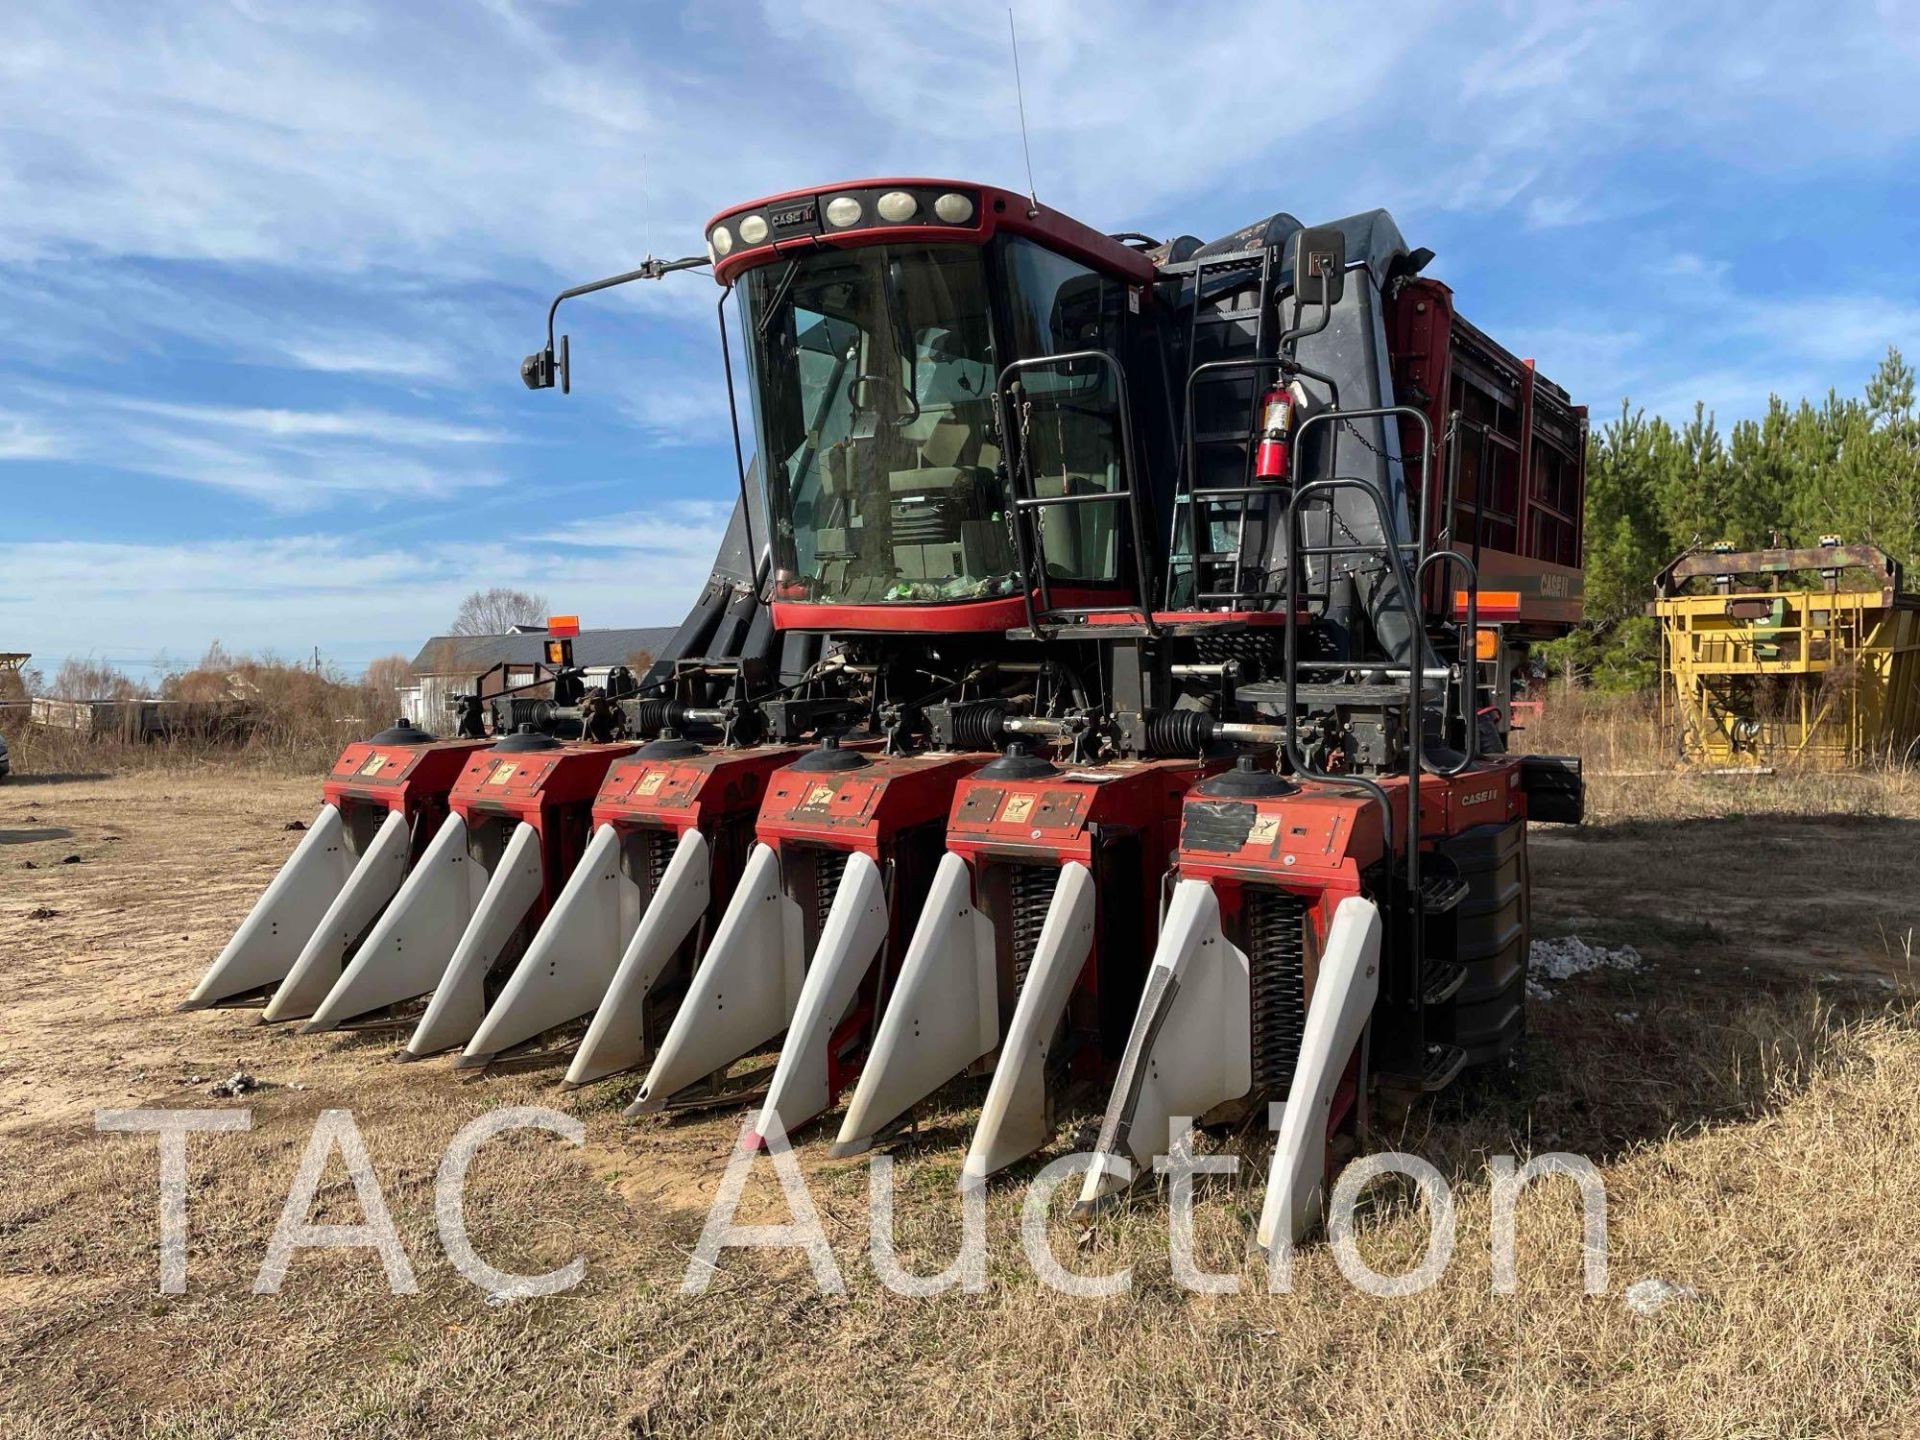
<point>1784,656</point>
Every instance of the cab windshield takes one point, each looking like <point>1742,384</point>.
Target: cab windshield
<point>872,372</point>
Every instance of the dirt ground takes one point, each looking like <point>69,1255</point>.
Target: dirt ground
<point>1748,1095</point>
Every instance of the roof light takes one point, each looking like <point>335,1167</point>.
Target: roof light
<point>897,205</point>
<point>842,211</point>
<point>722,240</point>
<point>954,208</point>
<point>753,229</point>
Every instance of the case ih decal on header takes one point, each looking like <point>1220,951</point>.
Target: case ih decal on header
<point>1101,691</point>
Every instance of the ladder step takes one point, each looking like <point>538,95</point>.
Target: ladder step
<point>1443,982</point>
<point>1353,694</point>
<point>1439,896</point>
<point>1221,494</point>
<point>1442,886</point>
<point>1212,264</point>
<point>1440,893</point>
<point>1444,1062</point>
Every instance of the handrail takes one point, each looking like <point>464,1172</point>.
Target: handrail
<point>1469,718</point>
<point>1379,412</point>
<point>1291,653</point>
<point>1130,491</point>
<point>1391,552</point>
<point>761,584</point>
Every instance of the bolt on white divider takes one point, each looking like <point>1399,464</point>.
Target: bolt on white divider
<point>851,941</point>
<point>574,964</point>
<point>409,949</point>
<point>267,944</point>
<point>368,891</point>
<point>942,1016</point>
<point>743,992</point>
<point>1190,1048</point>
<point>616,1037</point>
<point>459,999</point>
<point>1013,1120</point>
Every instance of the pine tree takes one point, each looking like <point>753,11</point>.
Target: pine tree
<point>1847,467</point>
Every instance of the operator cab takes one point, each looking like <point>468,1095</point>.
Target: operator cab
<point>893,331</point>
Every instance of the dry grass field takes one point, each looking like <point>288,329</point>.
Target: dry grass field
<point>1749,1094</point>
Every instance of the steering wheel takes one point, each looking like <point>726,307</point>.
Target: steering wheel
<point>854,389</point>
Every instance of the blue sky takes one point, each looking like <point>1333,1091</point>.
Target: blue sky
<point>267,270</point>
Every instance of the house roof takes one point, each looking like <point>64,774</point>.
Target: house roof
<point>469,655</point>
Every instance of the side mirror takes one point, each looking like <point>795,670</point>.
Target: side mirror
<point>1319,267</point>
<point>537,371</point>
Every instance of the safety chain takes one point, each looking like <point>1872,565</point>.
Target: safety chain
<point>1365,444</point>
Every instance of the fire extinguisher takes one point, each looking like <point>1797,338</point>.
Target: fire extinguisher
<point>1276,434</point>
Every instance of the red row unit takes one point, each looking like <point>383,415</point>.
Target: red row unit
<point>1120,820</point>
<point>1280,865</point>
<point>550,789</point>
<point>375,778</point>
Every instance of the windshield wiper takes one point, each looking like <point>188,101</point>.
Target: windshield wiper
<point>779,298</point>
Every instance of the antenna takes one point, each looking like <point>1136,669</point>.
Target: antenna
<point>1020,96</point>
<point>646,208</point>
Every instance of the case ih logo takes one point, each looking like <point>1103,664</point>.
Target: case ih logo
<point>791,215</point>
<point>1478,797</point>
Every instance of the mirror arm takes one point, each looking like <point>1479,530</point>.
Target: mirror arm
<point>1295,334</point>
<point>650,269</point>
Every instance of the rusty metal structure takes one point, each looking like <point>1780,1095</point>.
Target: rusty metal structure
<point>1790,656</point>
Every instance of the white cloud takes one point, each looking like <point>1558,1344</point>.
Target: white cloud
<point>22,439</point>
<point>293,480</point>
<point>687,528</point>
<point>288,460</point>
<point>1700,334</point>
<point>309,424</point>
<point>1551,112</point>
<point>384,138</point>
<point>368,355</point>
<point>1130,108</point>
<point>286,595</point>
<point>683,408</point>
<point>1730,392</point>
<point>405,136</point>
<point>1838,330</point>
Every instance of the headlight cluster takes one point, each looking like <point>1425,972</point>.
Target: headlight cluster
<point>843,210</point>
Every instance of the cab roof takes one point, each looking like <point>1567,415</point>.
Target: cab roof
<point>799,219</point>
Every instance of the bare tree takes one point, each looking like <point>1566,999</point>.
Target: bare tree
<point>22,684</point>
<point>78,679</point>
<point>496,611</point>
<point>386,677</point>
<point>390,672</point>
